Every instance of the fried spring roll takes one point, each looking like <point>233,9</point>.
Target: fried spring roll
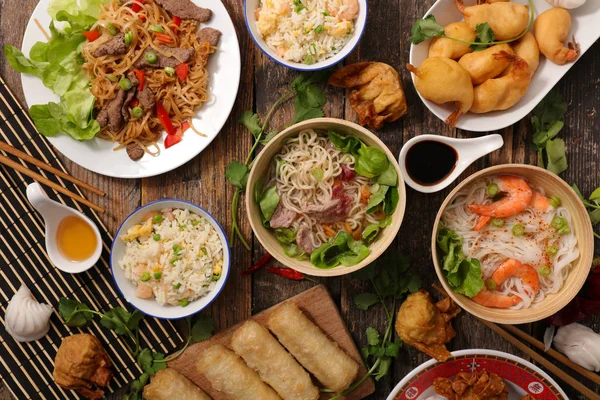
<point>309,345</point>
<point>169,384</point>
<point>263,353</point>
<point>227,373</point>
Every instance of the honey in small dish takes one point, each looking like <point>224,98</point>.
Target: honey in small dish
<point>75,239</point>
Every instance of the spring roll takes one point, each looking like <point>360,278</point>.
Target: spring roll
<point>263,353</point>
<point>227,373</point>
<point>169,384</point>
<point>311,347</point>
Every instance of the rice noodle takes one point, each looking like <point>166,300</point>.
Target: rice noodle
<point>492,245</point>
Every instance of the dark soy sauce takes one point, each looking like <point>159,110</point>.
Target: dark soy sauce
<point>429,162</point>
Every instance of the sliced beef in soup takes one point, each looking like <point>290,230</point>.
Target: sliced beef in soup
<point>346,173</point>
<point>147,98</point>
<point>185,9</point>
<point>337,209</point>
<point>111,114</point>
<point>174,57</point>
<point>209,35</point>
<point>114,46</point>
<point>282,217</point>
<point>304,240</point>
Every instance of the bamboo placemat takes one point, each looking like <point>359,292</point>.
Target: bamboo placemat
<point>26,368</point>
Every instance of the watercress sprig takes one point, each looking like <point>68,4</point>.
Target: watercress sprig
<point>308,103</point>
<point>428,28</point>
<point>547,121</point>
<point>391,282</point>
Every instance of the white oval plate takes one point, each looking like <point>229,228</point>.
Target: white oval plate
<point>522,377</point>
<point>586,28</point>
<point>98,155</point>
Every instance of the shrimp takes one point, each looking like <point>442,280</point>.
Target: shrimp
<point>540,202</point>
<point>481,222</point>
<point>144,291</point>
<point>506,19</point>
<point>517,198</point>
<point>503,92</point>
<point>445,47</point>
<point>443,80</point>
<point>551,30</point>
<point>349,12</point>
<point>508,269</point>
<point>526,48</point>
<point>483,65</point>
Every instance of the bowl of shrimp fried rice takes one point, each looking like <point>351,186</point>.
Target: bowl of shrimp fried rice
<point>512,244</point>
<point>306,35</point>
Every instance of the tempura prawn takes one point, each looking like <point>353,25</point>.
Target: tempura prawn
<point>526,48</point>
<point>483,65</point>
<point>445,47</point>
<point>551,29</point>
<point>504,92</point>
<point>506,19</point>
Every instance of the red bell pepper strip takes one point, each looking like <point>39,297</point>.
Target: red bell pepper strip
<point>163,38</point>
<point>141,77</point>
<point>182,71</point>
<point>163,116</point>
<point>171,140</point>
<point>134,103</point>
<point>258,265</point>
<point>177,20</point>
<point>135,7</point>
<point>286,273</point>
<point>91,35</point>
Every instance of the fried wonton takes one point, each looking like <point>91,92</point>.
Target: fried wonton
<point>377,95</point>
<point>81,364</point>
<point>426,326</point>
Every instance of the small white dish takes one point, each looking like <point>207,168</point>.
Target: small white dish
<point>54,212</point>
<point>150,306</point>
<point>98,155</point>
<point>359,27</point>
<point>585,28</point>
<point>467,151</point>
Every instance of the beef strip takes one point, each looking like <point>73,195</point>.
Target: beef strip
<point>303,238</point>
<point>133,78</point>
<point>125,107</point>
<point>111,114</point>
<point>134,151</point>
<point>114,46</point>
<point>335,210</point>
<point>282,217</point>
<point>179,55</point>
<point>185,9</point>
<point>209,35</point>
<point>146,98</point>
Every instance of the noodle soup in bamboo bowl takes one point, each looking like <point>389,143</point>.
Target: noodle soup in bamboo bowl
<point>580,225</point>
<point>262,170</point>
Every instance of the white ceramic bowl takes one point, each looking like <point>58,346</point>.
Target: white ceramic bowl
<point>359,27</point>
<point>585,28</point>
<point>127,288</point>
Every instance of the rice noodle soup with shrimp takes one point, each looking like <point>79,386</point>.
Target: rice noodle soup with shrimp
<point>327,196</point>
<point>506,243</point>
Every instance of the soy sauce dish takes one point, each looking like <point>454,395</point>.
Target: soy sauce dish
<point>170,259</point>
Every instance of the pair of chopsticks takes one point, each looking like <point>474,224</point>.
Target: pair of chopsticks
<point>575,384</point>
<point>45,181</point>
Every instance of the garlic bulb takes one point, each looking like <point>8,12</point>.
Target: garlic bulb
<point>26,319</point>
<point>580,344</point>
<point>569,4</point>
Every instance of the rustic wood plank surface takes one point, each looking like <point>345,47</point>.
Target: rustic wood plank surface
<point>202,179</point>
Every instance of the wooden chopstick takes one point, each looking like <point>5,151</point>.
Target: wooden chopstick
<point>594,377</point>
<point>25,171</point>
<point>24,156</point>
<point>574,383</point>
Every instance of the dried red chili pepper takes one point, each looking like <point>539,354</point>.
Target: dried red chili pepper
<point>258,265</point>
<point>286,273</point>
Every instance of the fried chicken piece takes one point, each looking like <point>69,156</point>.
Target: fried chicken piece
<point>473,386</point>
<point>425,325</point>
<point>443,387</point>
<point>81,364</point>
<point>377,95</point>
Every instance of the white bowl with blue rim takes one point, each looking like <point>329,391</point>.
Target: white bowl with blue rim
<point>151,307</point>
<point>359,26</point>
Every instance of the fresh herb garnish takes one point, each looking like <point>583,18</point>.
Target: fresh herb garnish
<point>429,28</point>
<point>547,121</point>
<point>391,281</point>
<point>308,103</point>
<point>592,204</point>
<point>124,323</point>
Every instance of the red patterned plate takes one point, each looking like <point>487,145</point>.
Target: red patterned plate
<point>522,377</point>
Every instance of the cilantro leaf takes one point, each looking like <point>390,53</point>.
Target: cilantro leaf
<point>237,174</point>
<point>557,160</point>
<point>426,28</point>
<point>268,137</point>
<point>393,349</point>
<point>484,35</point>
<point>365,300</point>
<point>74,313</point>
<point>117,319</point>
<point>384,368</point>
<point>202,329</point>
<point>552,108</point>
<point>595,194</point>
<point>251,121</point>
<point>373,337</point>
<point>151,362</point>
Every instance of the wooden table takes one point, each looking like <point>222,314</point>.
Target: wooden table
<point>202,180</point>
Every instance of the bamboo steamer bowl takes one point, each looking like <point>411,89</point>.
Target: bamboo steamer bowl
<point>553,185</point>
<point>261,167</point>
